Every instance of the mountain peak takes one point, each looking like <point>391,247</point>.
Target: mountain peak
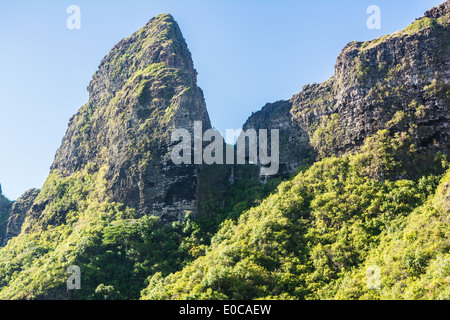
<point>143,89</point>
<point>160,41</point>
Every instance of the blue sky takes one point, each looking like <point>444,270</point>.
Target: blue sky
<point>247,53</point>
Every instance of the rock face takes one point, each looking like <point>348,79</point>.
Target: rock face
<point>398,82</point>
<point>294,147</point>
<point>5,206</point>
<point>118,147</point>
<point>439,11</point>
<point>143,90</point>
<point>18,213</point>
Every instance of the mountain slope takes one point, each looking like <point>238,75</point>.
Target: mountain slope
<point>397,81</point>
<point>413,257</point>
<point>314,229</point>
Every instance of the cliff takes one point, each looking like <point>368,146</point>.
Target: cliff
<point>143,90</point>
<point>398,82</point>
<point>5,205</point>
<point>368,220</point>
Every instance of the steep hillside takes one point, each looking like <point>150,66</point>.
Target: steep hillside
<point>114,167</point>
<point>305,240</point>
<point>413,257</point>
<point>143,90</point>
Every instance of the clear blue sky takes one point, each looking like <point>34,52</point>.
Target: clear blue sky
<point>247,53</point>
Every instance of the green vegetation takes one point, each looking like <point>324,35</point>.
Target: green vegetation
<point>325,135</point>
<point>418,25</point>
<point>385,205</point>
<point>233,198</point>
<point>312,233</point>
<point>115,249</point>
<point>413,256</point>
<point>362,70</point>
<point>422,23</point>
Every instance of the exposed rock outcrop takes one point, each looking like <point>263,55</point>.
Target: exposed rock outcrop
<point>5,206</point>
<point>146,87</point>
<point>143,90</point>
<point>294,146</point>
<point>398,82</point>
<point>18,212</point>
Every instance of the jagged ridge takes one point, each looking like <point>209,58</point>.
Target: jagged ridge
<point>398,82</point>
<point>144,89</point>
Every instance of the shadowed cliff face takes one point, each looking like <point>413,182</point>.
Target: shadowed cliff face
<point>16,215</point>
<point>144,89</point>
<point>398,82</point>
<point>294,146</point>
<point>5,206</point>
